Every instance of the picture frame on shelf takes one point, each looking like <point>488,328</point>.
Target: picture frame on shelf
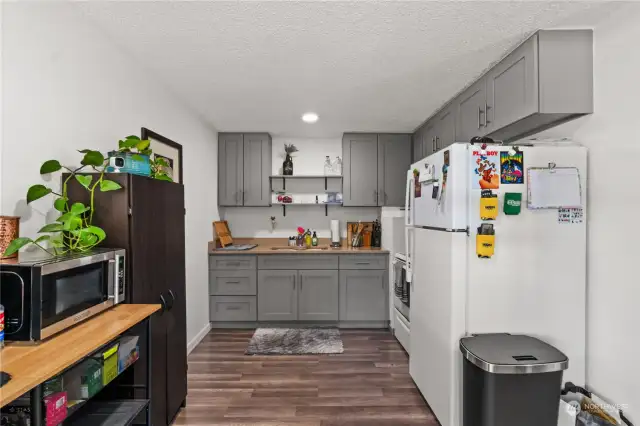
<point>168,150</point>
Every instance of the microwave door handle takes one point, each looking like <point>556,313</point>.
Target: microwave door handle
<point>111,279</point>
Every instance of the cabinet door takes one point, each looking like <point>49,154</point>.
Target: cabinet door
<point>360,169</point>
<point>446,128</point>
<point>257,169</point>
<point>277,295</point>
<point>363,295</point>
<point>429,139</point>
<point>173,200</point>
<point>417,145</point>
<point>318,295</point>
<point>394,159</point>
<point>471,109</point>
<point>230,169</point>
<point>512,87</point>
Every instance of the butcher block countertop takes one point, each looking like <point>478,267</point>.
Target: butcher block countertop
<point>31,365</point>
<point>279,246</point>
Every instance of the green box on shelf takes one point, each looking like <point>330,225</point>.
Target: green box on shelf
<point>110,364</point>
<point>91,382</point>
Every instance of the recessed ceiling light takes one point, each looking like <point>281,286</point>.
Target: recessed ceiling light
<point>310,117</point>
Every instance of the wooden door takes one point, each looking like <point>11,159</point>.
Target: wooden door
<point>174,261</point>
<point>257,169</point>
<point>277,295</point>
<point>360,169</point>
<point>512,87</point>
<point>318,295</point>
<point>230,169</point>
<point>394,160</point>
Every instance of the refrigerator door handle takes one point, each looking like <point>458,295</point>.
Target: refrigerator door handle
<point>407,199</point>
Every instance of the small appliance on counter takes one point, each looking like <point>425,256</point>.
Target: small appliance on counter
<point>335,233</point>
<point>43,295</point>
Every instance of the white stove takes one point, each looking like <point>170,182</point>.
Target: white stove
<point>401,301</point>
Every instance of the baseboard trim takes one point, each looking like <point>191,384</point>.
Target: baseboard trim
<point>198,338</point>
<point>301,324</point>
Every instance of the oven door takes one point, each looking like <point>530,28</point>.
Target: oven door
<point>70,295</point>
<point>401,288</point>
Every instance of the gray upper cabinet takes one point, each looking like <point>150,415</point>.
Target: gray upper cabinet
<point>471,108</point>
<point>363,295</point>
<point>230,169</point>
<point>394,159</point>
<point>417,145</point>
<point>360,172</point>
<point>543,82</point>
<point>277,295</point>
<point>244,166</point>
<point>512,87</point>
<point>318,295</point>
<point>257,169</point>
<point>445,131</point>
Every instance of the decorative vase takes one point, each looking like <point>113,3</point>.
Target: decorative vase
<point>287,166</point>
<point>9,231</point>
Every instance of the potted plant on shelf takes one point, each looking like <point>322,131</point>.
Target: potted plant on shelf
<point>287,165</point>
<point>73,230</point>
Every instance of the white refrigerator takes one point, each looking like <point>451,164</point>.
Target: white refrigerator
<point>535,282</point>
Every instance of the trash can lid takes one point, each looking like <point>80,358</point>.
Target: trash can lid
<point>512,354</point>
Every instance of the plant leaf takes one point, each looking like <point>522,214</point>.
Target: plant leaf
<point>85,180</point>
<point>137,157</point>
<point>52,227</point>
<point>36,192</point>
<point>60,204</point>
<point>146,152</point>
<point>65,218</point>
<point>93,158</point>
<point>78,208</point>
<point>109,185</point>
<point>132,137</point>
<point>74,223</point>
<point>98,232</point>
<point>84,151</point>
<point>128,143</point>
<point>162,162</point>
<point>87,239</point>
<point>16,245</point>
<point>50,166</point>
<point>162,176</point>
<point>42,238</point>
<point>143,144</point>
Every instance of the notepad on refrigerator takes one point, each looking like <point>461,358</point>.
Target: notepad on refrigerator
<point>552,188</point>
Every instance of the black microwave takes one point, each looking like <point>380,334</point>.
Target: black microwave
<point>44,295</point>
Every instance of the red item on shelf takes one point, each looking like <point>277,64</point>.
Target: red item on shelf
<point>55,408</point>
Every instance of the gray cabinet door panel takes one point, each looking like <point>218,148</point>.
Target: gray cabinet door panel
<point>429,138</point>
<point>394,159</point>
<point>318,295</point>
<point>232,282</point>
<point>257,169</point>
<point>360,169</point>
<point>446,128</point>
<point>230,176</point>
<point>228,261</point>
<point>471,110</point>
<point>417,145</point>
<point>364,261</point>
<point>363,295</point>
<point>277,295</point>
<point>512,87</point>
<point>299,261</point>
<point>232,308</point>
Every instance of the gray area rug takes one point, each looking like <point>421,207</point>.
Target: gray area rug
<point>295,341</point>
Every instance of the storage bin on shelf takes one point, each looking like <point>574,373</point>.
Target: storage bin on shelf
<point>110,364</point>
<point>128,353</point>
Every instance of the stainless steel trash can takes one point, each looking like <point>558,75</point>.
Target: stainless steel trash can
<point>510,380</point>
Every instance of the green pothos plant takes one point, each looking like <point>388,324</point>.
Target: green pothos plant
<point>73,229</point>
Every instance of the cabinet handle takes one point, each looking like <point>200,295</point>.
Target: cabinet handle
<point>375,196</point>
<point>233,308</point>
<point>163,303</point>
<point>243,197</point>
<point>233,263</point>
<point>301,280</point>
<point>385,197</point>
<point>486,115</point>
<point>233,282</point>
<point>294,282</point>
<point>362,263</point>
<point>173,299</point>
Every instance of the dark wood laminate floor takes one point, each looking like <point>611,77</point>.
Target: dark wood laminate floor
<point>367,385</point>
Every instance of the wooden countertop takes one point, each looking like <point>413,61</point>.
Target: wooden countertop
<point>30,365</point>
<point>279,246</point>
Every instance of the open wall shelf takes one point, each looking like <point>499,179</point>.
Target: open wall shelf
<point>285,178</point>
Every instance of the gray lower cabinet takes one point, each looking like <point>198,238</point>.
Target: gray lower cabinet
<point>277,295</point>
<point>363,295</point>
<point>394,159</point>
<point>230,169</point>
<point>360,171</point>
<point>232,308</point>
<point>318,296</point>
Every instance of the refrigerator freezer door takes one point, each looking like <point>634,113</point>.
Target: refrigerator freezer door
<point>535,282</point>
<point>438,320</point>
<point>448,210</point>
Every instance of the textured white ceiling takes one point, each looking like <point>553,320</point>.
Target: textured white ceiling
<point>366,66</point>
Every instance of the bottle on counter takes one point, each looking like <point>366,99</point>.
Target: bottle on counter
<point>307,238</point>
<point>314,239</point>
<point>377,234</point>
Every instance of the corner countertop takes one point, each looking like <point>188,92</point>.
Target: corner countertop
<point>279,246</point>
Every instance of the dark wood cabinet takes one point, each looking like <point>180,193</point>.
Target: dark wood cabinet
<point>146,217</point>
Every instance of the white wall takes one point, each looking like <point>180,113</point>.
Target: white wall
<point>67,87</point>
<point>612,136</point>
<point>256,222</point>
